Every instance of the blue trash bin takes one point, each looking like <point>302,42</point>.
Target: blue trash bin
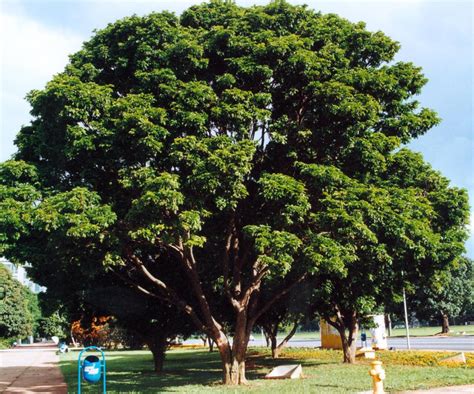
<point>92,369</point>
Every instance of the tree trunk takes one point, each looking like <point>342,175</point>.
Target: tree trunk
<point>388,324</point>
<point>349,340</point>
<point>158,345</point>
<point>349,357</point>
<point>267,338</point>
<point>211,344</point>
<point>271,332</point>
<point>233,362</point>
<point>239,347</point>
<point>73,339</point>
<point>273,344</point>
<point>277,350</point>
<point>233,357</point>
<point>444,323</point>
<point>207,341</point>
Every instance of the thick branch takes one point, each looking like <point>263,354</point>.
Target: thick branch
<point>231,248</point>
<point>237,273</point>
<point>176,250</point>
<point>226,256</point>
<point>289,336</point>
<point>256,282</point>
<point>275,298</point>
<point>170,294</point>
<point>193,276</point>
<point>338,324</point>
<point>153,279</point>
<point>139,287</point>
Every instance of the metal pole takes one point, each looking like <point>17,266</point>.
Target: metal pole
<point>104,386</point>
<point>406,318</point>
<point>79,373</point>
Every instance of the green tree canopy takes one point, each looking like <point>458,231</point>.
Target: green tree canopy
<point>53,325</point>
<point>397,230</point>
<point>447,293</point>
<point>18,307</point>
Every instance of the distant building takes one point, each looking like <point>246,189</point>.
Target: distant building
<point>19,273</point>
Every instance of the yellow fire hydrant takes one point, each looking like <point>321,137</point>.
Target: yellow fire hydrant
<point>378,376</point>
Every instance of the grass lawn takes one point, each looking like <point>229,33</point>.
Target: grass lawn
<point>198,371</point>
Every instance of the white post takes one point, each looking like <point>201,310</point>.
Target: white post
<point>406,318</point>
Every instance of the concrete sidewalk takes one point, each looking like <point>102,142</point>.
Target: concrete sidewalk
<point>446,390</point>
<point>31,370</point>
<point>438,390</point>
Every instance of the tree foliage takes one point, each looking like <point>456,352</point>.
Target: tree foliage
<point>53,325</point>
<point>447,294</point>
<point>18,307</point>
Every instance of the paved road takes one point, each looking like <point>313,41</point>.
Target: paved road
<point>30,370</point>
<point>464,343</point>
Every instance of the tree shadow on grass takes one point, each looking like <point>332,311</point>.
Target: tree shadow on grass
<point>259,365</point>
<point>134,373</point>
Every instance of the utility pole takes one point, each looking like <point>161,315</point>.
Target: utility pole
<point>406,317</point>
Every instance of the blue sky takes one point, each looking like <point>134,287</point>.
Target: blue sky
<point>37,35</point>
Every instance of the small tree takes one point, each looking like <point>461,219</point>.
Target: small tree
<point>53,325</point>
<point>16,319</point>
<point>34,309</point>
<point>92,330</point>
<point>437,272</point>
<point>152,323</point>
<point>447,293</point>
<point>287,314</point>
<point>380,236</point>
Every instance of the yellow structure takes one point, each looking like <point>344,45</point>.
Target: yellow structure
<point>330,338</point>
<point>378,376</point>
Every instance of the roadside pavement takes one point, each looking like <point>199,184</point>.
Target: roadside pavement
<point>31,369</point>
<point>437,390</point>
<point>446,390</point>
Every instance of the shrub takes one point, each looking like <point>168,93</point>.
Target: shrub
<point>417,358</point>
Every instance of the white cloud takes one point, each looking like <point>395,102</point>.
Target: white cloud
<point>30,54</point>
<point>34,49</point>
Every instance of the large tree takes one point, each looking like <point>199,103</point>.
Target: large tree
<point>201,141</point>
